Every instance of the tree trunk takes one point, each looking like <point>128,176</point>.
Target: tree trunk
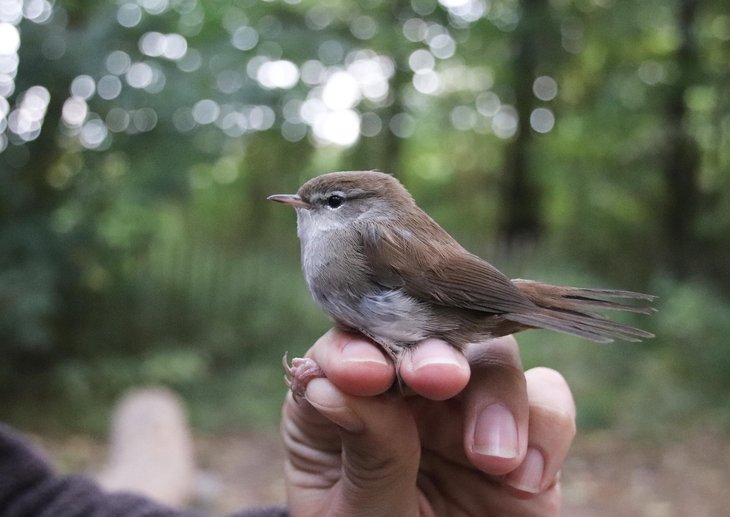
<point>681,163</point>
<point>521,213</point>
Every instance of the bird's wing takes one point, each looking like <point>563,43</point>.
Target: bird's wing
<point>430,265</point>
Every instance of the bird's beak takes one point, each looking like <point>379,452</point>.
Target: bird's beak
<point>289,199</point>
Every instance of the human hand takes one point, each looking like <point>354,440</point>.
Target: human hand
<point>479,438</point>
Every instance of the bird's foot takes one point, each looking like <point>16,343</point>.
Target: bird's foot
<point>297,375</point>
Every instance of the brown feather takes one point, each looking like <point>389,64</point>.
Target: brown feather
<point>568,309</point>
<point>432,266</point>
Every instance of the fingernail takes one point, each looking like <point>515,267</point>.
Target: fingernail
<point>331,403</point>
<point>437,353</point>
<point>359,351</point>
<point>528,476</point>
<point>495,433</point>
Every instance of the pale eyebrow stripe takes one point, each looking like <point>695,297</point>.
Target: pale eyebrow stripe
<point>351,194</point>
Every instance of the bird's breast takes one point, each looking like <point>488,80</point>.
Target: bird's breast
<point>340,281</point>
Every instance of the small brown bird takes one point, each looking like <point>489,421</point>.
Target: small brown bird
<point>379,265</point>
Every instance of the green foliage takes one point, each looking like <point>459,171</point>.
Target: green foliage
<point>698,320</point>
<point>136,245</point>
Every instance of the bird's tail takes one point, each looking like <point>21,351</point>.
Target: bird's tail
<point>571,310</point>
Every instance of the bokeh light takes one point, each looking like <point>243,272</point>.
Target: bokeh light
<point>341,127</point>
<point>74,111</point>
<point>129,15</point>
<point>109,87</point>
<point>118,62</point>
<point>542,120</point>
<point>402,125</point>
<point>206,111</point>
<point>38,11</point>
<point>117,120</point>
<point>505,122</point>
<point>488,103</point>
<point>370,124</point>
<point>545,88</point>
<point>93,133</point>
<point>364,27</point>
<point>9,39</point>
<point>280,74</point>
<point>11,11</point>
<point>331,106</point>
<point>341,91</point>
<point>463,118</point>
<point>464,12</point>
<point>421,60</point>
<point>83,86</point>
<point>244,38</point>
<point>169,46</point>
<point>26,120</point>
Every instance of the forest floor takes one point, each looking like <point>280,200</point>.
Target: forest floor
<point>604,476</point>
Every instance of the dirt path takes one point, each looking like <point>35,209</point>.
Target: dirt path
<point>604,476</point>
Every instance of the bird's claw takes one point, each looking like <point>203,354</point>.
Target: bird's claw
<point>297,375</point>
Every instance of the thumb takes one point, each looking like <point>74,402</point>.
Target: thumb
<point>380,451</point>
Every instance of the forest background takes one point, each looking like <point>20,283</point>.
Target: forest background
<point>583,142</point>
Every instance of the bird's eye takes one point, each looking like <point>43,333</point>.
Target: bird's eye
<point>334,201</point>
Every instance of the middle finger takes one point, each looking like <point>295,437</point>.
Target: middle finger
<point>496,408</point>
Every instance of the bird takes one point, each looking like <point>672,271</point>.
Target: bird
<point>379,265</point>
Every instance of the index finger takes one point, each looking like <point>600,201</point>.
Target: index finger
<point>353,363</point>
